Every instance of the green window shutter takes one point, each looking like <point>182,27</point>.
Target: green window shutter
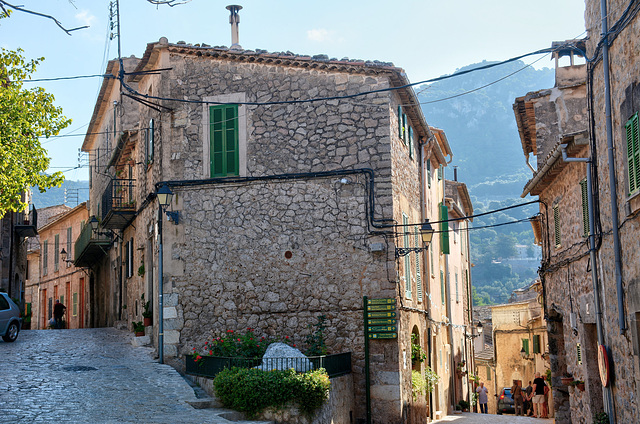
<point>407,258</point>
<point>525,345</point>
<point>431,257</point>
<point>75,304</point>
<point>69,243</point>
<point>488,373</point>
<point>410,142</point>
<point>633,153</point>
<point>418,243</point>
<point>400,127</point>
<point>224,154</point>
<point>45,257</point>
<point>444,229</point>
<point>56,252</point>
<point>150,141</point>
<point>536,344</point>
<point>405,133</point>
<point>556,226</point>
<point>585,208</point>
<point>429,173</point>
<point>442,286</point>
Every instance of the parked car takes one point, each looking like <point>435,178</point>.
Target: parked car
<point>10,321</point>
<point>505,401</point>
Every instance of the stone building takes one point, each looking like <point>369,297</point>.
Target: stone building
<point>586,324</point>
<point>54,277</point>
<point>292,193</point>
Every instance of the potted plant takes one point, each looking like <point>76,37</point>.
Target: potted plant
<point>138,328</point>
<point>579,384</point>
<point>147,314</point>
<point>464,405</point>
<point>566,379</point>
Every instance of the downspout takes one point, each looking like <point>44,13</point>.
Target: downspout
<point>529,165</point>
<point>612,172</point>
<point>606,394</point>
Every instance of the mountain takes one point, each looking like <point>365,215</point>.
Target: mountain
<point>475,111</point>
<point>70,193</point>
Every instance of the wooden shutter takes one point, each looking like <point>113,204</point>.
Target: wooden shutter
<point>400,127</point>
<point>150,141</point>
<point>585,207</point>
<point>418,243</point>
<point>536,344</point>
<point>45,257</point>
<point>56,252</point>
<point>556,226</point>
<point>224,154</point>
<point>407,258</point>
<point>444,229</point>
<point>404,128</point>
<point>429,173</point>
<point>525,345</point>
<point>442,294</point>
<point>633,153</point>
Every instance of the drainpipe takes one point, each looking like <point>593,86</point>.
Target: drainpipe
<point>612,171</point>
<point>529,165</point>
<point>606,394</point>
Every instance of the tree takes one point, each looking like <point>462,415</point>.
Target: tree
<point>25,116</point>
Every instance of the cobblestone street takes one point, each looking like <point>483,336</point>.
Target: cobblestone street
<point>472,418</point>
<point>92,376</point>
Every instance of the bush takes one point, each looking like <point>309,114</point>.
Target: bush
<point>234,344</point>
<point>252,390</point>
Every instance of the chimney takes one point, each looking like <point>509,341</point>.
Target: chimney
<point>455,173</point>
<point>234,20</point>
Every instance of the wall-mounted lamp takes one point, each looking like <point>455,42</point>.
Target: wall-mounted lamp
<point>524,355</point>
<point>63,255</point>
<point>478,331</point>
<point>426,230</point>
<point>93,221</point>
<point>164,199</point>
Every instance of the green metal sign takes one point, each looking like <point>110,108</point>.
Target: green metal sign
<point>381,321</point>
<point>383,335</point>
<point>386,301</point>
<point>382,329</point>
<point>381,315</point>
<point>382,307</point>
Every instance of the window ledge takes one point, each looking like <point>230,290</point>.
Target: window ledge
<point>632,204</point>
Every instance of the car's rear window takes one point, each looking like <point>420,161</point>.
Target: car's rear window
<point>507,392</point>
<point>3,303</point>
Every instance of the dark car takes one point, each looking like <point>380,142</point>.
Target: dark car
<point>505,401</point>
<point>9,318</point>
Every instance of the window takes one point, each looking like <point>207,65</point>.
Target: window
<point>585,207</point>
<point>404,129</point>
<point>69,239</point>
<point>45,257</point>
<point>150,141</point>
<point>400,123</point>
<point>129,258</point>
<point>75,304</point>
<point>536,344</point>
<point>579,353</point>
<point>488,373</point>
<point>633,153</point>
<point>4,304</point>
<point>56,252</point>
<point>418,240</point>
<point>457,290</point>
<point>410,142</point>
<point>431,258</point>
<point>407,258</point>
<point>444,229</point>
<point>525,345</point>
<point>224,149</point>
<point>556,226</point>
<point>429,173</point>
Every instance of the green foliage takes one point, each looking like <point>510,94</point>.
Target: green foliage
<point>315,340</point>
<point>417,354</point>
<point>252,390</point>
<point>463,404</point>
<point>601,418</point>
<point>431,379</point>
<point>234,344</point>
<point>138,326</point>
<point>418,384</point>
<point>146,306</point>
<point>25,116</point>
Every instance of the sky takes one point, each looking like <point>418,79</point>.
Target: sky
<point>426,38</point>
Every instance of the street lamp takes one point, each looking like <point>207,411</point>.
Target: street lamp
<point>426,231</point>
<point>63,255</point>
<point>164,195</point>
<point>479,328</point>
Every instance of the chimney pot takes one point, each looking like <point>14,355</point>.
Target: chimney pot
<point>234,20</point>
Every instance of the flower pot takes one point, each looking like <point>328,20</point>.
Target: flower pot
<point>580,386</point>
<point>139,333</point>
<point>566,380</point>
<point>148,322</point>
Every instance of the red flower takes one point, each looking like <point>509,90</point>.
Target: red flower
<point>229,331</point>
<point>206,343</point>
<point>286,337</point>
<point>239,340</point>
<point>210,352</point>
<point>194,348</point>
<point>294,345</point>
<point>198,358</point>
<point>249,329</point>
<point>258,345</point>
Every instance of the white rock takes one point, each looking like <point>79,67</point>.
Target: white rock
<point>280,356</point>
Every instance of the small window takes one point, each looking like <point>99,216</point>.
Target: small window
<point>224,149</point>
<point>633,153</point>
<point>556,226</point>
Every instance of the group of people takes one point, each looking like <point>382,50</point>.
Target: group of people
<point>530,401</point>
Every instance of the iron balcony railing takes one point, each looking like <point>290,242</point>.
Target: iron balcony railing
<point>90,247</point>
<point>118,195</point>
<point>209,366</point>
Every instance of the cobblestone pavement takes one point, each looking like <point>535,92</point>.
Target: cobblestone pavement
<point>92,376</point>
<point>471,418</point>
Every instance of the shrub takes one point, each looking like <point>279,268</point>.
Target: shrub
<point>315,340</point>
<point>418,384</point>
<point>234,344</point>
<point>252,390</point>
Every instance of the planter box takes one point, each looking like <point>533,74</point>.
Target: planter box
<point>209,366</point>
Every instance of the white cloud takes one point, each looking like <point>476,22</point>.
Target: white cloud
<point>85,18</point>
<point>319,35</point>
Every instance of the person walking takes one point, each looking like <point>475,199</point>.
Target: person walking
<point>58,313</point>
<point>483,399</point>
<point>528,404</point>
<point>518,398</point>
<point>538,395</point>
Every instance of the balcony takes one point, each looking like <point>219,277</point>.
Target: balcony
<point>118,204</point>
<point>90,248</point>
<point>29,225</point>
